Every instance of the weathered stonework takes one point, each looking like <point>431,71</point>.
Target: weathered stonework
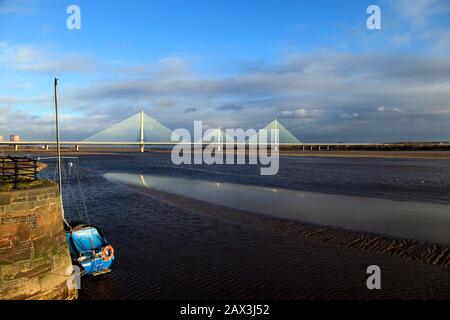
<point>34,257</point>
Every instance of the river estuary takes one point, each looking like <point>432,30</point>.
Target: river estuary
<point>225,232</point>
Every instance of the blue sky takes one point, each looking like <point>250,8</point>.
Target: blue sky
<point>312,64</point>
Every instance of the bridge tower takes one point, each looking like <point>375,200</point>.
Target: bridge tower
<point>219,139</point>
<point>139,130</point>
<point>142,131</point>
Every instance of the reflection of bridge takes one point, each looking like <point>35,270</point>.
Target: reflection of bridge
<point>140,130</point>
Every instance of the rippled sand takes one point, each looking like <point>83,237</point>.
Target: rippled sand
<point>177,248</point>
<point>414,250</point>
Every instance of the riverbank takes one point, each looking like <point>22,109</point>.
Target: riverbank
<point>442,155</point>
<point>393,154</point>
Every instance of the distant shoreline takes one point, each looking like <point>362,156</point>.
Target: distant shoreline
<point>442,155</point>
<point>392,154</point>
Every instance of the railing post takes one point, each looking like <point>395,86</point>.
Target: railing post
<point>16,172</point>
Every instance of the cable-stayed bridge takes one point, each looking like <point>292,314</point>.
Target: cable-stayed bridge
<point>141,130</point>
<point>138,128</point>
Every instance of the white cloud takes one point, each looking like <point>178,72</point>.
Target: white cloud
<point>303,113</point>
<point>41,127</point>
<point>384,109</point>
<point>420,11</point>
<point>443,41</point>
<point>170,67</point>
<point>8,7</point>
<point>401,39</point>
<point>28,58</point>
<point>349,115</point>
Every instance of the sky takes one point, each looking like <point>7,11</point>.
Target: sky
<point>313,65</point>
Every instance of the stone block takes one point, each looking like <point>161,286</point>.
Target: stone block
<point>19,199</point>
<point>20,252</point>
<point>28,220</point>
<point>21,236</point>
<point>30,270</point>
<point>7,230</point>
<point>5,243</point>
<point>40,231</point>
<point>5,198</point>
<point>20,289</point>
<point>23,206</point>
<point>44,244</point>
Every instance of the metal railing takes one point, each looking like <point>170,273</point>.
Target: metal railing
<point>17,169</point>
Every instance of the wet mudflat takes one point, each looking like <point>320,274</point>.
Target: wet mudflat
<point>177,247</point>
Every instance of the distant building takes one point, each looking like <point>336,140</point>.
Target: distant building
<point>14,138</point>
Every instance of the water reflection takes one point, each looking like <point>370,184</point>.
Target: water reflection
<point>416,220</point>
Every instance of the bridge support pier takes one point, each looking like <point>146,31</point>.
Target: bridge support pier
<point>141,149</point>
<point>320,147</point>
<point>16,147</point>
<point>46,147</point>
<point>311,148</point>
<point>328,148</point>
<point>77,147</point>
<point>303,148</point>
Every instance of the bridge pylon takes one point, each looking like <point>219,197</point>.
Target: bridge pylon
<point>142,147</point>
<point>139,129</point>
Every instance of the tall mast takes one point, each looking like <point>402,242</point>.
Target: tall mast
<point>58,147</point>
<point>58,152</point>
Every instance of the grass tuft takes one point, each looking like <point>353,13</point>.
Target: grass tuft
<point>6,185</point>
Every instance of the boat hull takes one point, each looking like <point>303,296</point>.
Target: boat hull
<point>87,247</point>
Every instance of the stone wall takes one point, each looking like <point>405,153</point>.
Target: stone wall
<point>34,257</point>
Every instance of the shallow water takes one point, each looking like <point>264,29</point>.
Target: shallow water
<point>402,219</point>
<point>166,250</point>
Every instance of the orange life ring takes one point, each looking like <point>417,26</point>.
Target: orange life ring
<point>107,253</point>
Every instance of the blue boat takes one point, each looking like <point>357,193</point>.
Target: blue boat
<point>89,249</point>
